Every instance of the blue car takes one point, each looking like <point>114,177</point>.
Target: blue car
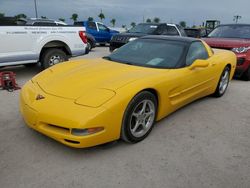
<point>99,31</point>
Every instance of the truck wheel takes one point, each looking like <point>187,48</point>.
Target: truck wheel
<point>90,45</point>
<point>53,56</point>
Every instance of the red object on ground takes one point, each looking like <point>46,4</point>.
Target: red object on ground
<point>8,81</point>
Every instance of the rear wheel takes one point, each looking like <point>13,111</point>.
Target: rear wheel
<point>139,117</point>
<point>223,82</point>
<point>90,45</point>
<point>53,56</point>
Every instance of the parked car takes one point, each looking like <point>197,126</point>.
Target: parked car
<point>99,31</point>
<point>145,29</point>
<point>196,32</point>
<point>234,37</point>
<point>123,94</point>
<point>30,44</point>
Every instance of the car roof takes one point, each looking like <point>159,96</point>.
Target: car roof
<point>171,38</point>
<point>153,23</point>
<point>234,25</point>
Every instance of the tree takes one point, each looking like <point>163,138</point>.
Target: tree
<point>113,22</point>
<point>157,20</point>
<point>148,20</point>
<point>44,17</point>
<point>183,24</point>
<point>62,19</point>
<point>133,24</point>
<point>237,18</point>
<point>101,16</point>
<point>74,17</point>
<point>1,14</point>
<point>20,16</point>
<point>90,19</point>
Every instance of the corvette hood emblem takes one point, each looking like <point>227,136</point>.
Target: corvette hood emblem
<point>39,97</point>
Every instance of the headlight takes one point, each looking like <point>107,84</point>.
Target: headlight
<point>85,132</point>
<point>241,49</point>
<point>131,39</point>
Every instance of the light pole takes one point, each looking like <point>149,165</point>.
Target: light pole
<point>35,8</point>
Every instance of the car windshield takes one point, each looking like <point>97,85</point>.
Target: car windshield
<point>231,31</point>
<point>150,53</point>
<point>143,28</point>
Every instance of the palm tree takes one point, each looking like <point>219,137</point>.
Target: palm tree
<point>113,22</point>
<point>148,20</point>
<point>74,17</point>
<point>1,14</point>
<point>101,16</point>
<point>90,19</point>
<point>62,19</point>
<point>183,24</point>
<point>133,24</point>
<point>20,16</point>
<point>157,20</point>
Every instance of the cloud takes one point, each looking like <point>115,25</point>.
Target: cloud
<point>191,11</point>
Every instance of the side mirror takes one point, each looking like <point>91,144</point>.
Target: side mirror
<point>199,63</point>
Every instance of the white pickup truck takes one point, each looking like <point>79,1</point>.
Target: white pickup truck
<point>48,45</point>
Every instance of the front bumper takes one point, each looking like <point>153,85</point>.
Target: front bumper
<point>113,45</point>
<point>55,117</point>
<point>243,63</point>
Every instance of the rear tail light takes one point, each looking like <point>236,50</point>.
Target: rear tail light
<point>83,36</point>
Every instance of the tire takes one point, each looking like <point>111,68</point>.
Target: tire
<point>246,75</point>
<point>90,45</point>
<point>102,44</point>
<point>53,56</point>
<point>138,123</point>
<point>223,83</point>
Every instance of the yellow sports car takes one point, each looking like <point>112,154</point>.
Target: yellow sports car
<point>84,103</point>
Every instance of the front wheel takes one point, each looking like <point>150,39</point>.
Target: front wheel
<point>139,117</point>
<point>53,56</point>
<point>223,82</point>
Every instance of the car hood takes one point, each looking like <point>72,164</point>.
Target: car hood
<point>227,43</point>
<point>75,79</point>
<point>114,31</point>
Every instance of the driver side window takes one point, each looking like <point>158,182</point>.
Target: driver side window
<point>102,27</point>
<point>196,51</point>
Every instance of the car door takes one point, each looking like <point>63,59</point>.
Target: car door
<point>15,44</point>
<point>103,33</point>
<point>92,29</point>
<point>192,84</point>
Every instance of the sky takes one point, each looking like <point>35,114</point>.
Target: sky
<point>194,12</point>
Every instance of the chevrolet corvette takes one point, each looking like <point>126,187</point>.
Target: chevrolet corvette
<point>84,103</point>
